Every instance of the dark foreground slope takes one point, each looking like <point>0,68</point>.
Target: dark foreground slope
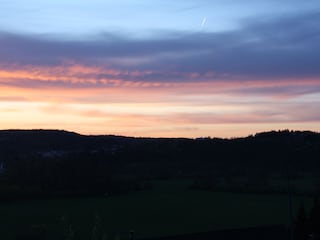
<point>276,232</point>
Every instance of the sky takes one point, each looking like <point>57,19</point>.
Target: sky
<point>161,68</point>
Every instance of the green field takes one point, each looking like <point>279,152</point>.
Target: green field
<point>164,211</point>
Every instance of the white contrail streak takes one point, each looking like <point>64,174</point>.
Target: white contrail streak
<point>203,22</point>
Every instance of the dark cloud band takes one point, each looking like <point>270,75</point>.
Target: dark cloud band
<point>272,49</point>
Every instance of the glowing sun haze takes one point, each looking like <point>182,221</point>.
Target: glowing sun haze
<point>160,68</point>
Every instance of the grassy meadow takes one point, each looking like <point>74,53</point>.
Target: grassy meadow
<point>168,209</point>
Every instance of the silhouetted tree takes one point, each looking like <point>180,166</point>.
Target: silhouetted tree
<point>300,226</point>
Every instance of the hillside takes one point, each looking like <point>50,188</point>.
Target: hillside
<point>65,163</point>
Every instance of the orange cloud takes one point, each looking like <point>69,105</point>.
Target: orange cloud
<point>97,100</point>
<point>81,76</point>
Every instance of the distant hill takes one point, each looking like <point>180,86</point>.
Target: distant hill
<point>46,140</point>
<point>33,140</point>
<point>59,161</point>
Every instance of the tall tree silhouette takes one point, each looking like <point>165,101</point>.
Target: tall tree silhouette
<point>300,226</point>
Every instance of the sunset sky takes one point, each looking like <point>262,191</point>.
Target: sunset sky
<point>160,68</point>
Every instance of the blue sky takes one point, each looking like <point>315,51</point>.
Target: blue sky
<point>139,17</point>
